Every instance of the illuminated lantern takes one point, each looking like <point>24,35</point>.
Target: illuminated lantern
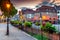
<point>43,17</point>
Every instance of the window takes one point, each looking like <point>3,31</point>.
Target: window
<point>30,15</point>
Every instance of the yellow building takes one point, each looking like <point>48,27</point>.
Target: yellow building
<point>2,17</point>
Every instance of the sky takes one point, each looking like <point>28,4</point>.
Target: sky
<point>29,3</point>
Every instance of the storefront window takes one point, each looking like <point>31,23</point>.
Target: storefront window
<point>29,15</point>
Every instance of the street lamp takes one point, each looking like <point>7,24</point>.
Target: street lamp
<point>8,7</point>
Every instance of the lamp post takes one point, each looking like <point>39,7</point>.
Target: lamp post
<point>8,7</point>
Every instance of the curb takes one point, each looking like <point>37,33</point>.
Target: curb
<point>29,35</point>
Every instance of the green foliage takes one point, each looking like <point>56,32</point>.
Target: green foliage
<point>11,13</point>
<point>48,28</point>
<point>37,23</point>
<point>12,22</point>
<point>20,23</point>
<point>38,36</point>
<point>28,24</point>
<point>52,28</point>
<point>48,24</point>
<point>15,22</point>
<point>7,12</point>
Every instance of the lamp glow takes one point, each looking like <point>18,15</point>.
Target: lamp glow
<point>8,5</point>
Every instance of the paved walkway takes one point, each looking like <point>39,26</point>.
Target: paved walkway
<point>15,34</point>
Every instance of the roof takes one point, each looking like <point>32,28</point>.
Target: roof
<point>58,7</point>
<point>43,8</point>
<point>46,9</point>
<point>27,11</point>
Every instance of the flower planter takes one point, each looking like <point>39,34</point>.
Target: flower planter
<point>51,32</point>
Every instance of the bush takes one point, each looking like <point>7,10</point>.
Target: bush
<point>52,29</point>
<point>15,22</point>
<point>28,24</point>
<point>11,22</point>
<point>48,28</point>
<point>37,23</point>
<point>20,23</point>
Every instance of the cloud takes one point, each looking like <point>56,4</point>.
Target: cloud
<point>28,3</point>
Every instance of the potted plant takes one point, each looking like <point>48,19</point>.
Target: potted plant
<point>12,22</point>
<point>37,23</point>
<point>20,25</point>
<point>15,23</point>
<point>27,25</point>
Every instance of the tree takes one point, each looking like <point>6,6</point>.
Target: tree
<point>8,12</point>
<point>12,10</point>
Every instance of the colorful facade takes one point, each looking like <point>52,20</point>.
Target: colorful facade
<point>47,13</point>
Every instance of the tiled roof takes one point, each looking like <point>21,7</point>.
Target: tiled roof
<point>46,9</point>
<point>43,8</point>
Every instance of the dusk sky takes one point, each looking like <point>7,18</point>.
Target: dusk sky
<point>29,3</point>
